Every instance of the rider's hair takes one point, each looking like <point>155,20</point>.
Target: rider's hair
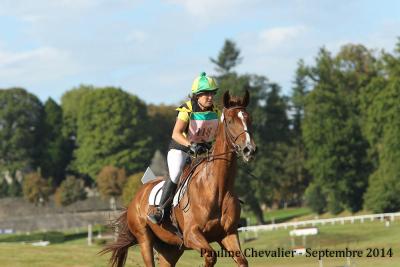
<point>192,97</point>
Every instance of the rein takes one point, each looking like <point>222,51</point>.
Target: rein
<point>229,136</point>
<point>232,142</point>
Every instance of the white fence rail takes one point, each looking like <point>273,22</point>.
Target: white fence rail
<point>342,220</point>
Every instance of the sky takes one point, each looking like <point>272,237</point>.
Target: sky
<point>155,49</point>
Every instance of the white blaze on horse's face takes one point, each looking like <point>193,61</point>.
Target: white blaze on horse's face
<point>248,149</point>
<point>241,117</point>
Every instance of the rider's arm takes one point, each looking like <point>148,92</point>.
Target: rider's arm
<point>177,133</point>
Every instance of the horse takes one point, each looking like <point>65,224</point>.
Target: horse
<point>214,208</point>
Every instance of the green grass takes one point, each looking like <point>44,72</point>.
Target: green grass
<point>354,236</point>
<point>278,216</point>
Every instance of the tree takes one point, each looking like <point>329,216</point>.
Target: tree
<point>383,131</point>
<point>36,189</point>
<point>20,124</point>
<point>110,181</point>
<point>228,58</point>
<point>111,130</point>
<point>131,187</point>
<point>54,158</point>
<point>336,148</point>
<point>70,190</point>
<point>295,163</point>
<point>299,93</point>
<point>71,106</point>
<point>161,120</point>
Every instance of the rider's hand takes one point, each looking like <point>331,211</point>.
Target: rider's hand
<point>196,149</point>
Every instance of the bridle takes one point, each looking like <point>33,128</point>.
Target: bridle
<point>228,134</point>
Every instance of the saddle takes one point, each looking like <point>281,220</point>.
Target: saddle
<point>182,188</point>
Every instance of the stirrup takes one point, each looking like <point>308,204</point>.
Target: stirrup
<point>156,216</point>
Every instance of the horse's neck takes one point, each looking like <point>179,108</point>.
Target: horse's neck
<point>225,163</point>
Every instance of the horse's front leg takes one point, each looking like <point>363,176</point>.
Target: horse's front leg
<point>194,238</point>
<point>231,243</point>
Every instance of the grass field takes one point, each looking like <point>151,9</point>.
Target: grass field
<point>336,237</point>
<point>280,215</point>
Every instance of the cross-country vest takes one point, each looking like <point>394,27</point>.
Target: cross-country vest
<point>202,125</point>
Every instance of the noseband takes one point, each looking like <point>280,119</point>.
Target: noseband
<point>228,132</point>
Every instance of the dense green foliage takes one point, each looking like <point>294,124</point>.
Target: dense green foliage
<point>332,144</point>
<point>111,130</point>
<point>20,126</point>
<point>54,157</point>
<point>132,185</point>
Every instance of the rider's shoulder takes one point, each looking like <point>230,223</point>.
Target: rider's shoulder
<point>185,107</point>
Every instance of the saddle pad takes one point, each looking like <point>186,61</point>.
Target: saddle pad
<point>180,193</point>
<point>156,192</point>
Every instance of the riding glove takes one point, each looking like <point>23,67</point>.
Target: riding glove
<point>197,149</point>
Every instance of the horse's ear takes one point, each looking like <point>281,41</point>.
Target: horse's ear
<point>227,97</point>
<point>246,98</point>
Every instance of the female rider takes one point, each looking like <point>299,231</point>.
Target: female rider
<point>194,130</point>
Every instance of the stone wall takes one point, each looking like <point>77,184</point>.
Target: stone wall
<point>22,216</point>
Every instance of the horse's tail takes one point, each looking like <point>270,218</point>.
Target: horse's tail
<point>125,239</point>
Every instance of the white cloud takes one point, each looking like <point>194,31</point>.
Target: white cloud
<point>275,37</point>
<point>45,63</point>
<point>210,9</point>
<point>137,36</point>
<point>48,7</point>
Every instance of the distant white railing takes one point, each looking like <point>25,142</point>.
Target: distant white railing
<point>342,220</point>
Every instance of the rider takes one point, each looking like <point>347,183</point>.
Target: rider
<point>195,128</point>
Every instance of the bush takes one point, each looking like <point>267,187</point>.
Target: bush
<point>100,241</point>
<point>35,188</point>
<point>315,199</point>
<point>131,187</point>
<point>71,190</point>
<point>110,181</point>
<point>52,237</point>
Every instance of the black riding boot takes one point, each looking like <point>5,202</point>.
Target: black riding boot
<point>167,195</point>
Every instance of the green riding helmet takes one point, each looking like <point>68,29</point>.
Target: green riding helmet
<point>204,83</point>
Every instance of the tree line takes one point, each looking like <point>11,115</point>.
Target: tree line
<point>332,144</point>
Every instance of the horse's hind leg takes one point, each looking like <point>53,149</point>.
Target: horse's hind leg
<point>168,255</point>
<point>146,242</point>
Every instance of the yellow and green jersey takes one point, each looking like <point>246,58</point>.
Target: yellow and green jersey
<point>202,125</point>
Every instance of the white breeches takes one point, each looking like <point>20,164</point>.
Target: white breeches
<point>176,160</point>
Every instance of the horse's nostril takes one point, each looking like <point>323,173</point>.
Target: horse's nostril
<point>246,150</point>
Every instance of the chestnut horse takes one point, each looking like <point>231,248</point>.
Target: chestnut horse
<point>214,209</point>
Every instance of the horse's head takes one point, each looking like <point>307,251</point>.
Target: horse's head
<point>237,125</point>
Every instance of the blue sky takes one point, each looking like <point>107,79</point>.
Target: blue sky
<point>154,49</point>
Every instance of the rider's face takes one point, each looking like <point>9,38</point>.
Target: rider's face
<point>206,99</point>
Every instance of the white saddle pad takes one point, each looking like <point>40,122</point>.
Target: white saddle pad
<point>156,192</point>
